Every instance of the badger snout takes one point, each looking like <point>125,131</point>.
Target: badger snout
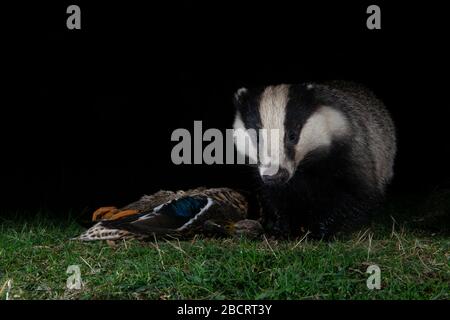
<point>281,177</point>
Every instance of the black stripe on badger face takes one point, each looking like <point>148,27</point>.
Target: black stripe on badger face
<point>247,118</point>
<point>247,107</point>
<point>300,106</point>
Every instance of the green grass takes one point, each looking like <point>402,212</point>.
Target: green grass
<point>35,254</point>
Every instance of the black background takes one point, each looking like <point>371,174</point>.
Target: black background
<point>87,114</point>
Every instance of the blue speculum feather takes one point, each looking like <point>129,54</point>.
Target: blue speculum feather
<point>185,207</point>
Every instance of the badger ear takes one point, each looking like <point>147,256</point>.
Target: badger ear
<point>240,97</point>
<point>310,86</point>
<point>305,87</point>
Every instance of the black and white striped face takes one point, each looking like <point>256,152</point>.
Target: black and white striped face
<point>296,125</point>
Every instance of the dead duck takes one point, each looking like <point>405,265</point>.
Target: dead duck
<point>215,211</point>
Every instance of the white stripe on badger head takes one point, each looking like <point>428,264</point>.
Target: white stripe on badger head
<point>269,154</point>
<point>245,140</point>
<point>319,131</point>
<point>272,110</point>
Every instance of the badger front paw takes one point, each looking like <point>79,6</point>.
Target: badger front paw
<point>277,227</point>
<point>321,231</point>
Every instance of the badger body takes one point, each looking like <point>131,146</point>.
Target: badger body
<point>334,156</point>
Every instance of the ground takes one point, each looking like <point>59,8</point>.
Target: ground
<point>35,254</point>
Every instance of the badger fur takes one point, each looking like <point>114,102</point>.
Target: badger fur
<point>336,150</point>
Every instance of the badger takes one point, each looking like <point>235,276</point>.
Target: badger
<point>335,154</point>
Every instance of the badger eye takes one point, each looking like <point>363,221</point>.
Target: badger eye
<point>292,137</point>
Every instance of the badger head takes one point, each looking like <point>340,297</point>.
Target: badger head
<point>284,124</point>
